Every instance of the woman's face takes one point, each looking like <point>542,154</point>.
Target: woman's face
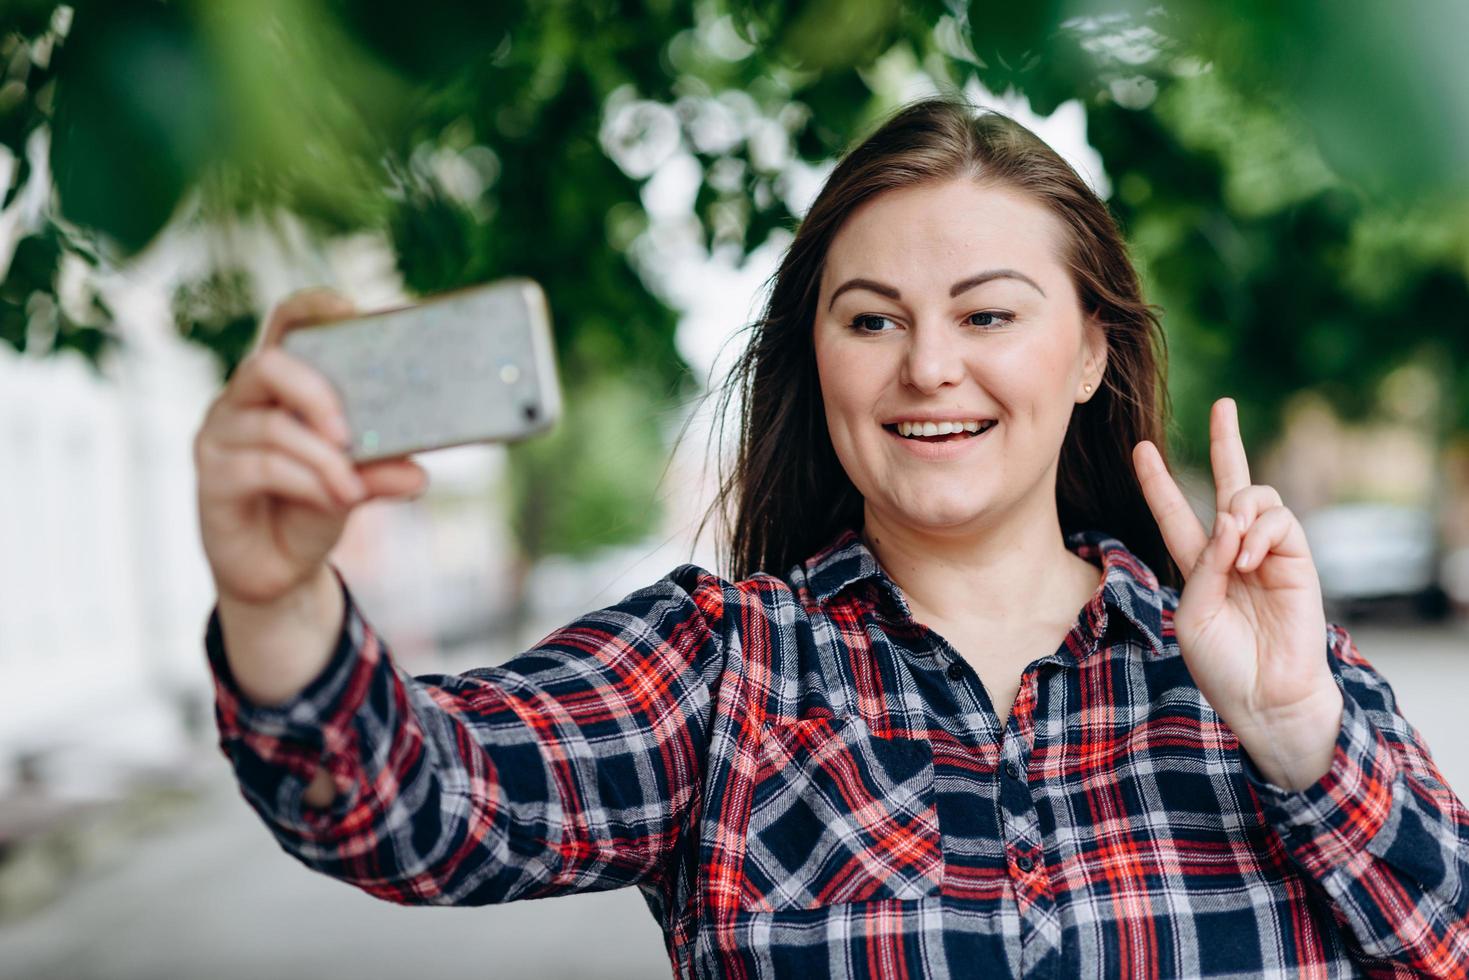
<point>948,302</point>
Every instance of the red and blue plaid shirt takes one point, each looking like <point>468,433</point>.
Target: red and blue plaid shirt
<point>804,781</point>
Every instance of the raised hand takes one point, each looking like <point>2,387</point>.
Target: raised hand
<point>1250,623</point>
<point>275,484</point>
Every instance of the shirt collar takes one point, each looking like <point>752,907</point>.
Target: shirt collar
<point>1128,585</point>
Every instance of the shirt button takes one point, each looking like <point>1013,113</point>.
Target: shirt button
<point>956,671</point>
<point>1012,770</point>
<point>1024,863</point>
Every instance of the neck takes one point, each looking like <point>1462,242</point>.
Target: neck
<point>982,573</point>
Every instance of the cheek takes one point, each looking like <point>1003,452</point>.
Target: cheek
<point>850,390</point>
<point>1035,380</point>
<point>850,381</point>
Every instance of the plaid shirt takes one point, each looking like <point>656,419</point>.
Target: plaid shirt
<point>803,781</point>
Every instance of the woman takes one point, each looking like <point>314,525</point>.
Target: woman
<point>951,715</point>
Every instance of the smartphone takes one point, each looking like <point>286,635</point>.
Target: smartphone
<point>472,365</point>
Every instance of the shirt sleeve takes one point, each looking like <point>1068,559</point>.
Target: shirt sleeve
<point>1381,832</point>
<point>571,768</point>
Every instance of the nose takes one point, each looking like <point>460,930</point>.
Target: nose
<point>932,359</point>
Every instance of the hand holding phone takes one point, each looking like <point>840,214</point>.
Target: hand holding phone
<point>275,484</point>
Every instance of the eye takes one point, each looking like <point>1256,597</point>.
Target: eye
<point>996,318</point>
<point>865,322</point>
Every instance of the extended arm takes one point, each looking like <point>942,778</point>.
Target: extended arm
<point>570,768</point>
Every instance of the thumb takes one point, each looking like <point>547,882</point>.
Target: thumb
<point>1209,581</point>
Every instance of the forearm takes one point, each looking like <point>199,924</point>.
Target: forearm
<point>436,790</point>
<point>1381,832</point>
<point>332,768</point>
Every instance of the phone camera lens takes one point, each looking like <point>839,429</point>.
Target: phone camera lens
<point>530,413</point>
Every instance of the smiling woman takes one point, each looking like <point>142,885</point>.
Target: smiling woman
<point>970,241</point>
<point>979,696</point>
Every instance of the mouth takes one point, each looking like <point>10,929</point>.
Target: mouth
<point>914,432</point>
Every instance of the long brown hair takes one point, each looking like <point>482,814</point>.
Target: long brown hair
<point>789,493</point>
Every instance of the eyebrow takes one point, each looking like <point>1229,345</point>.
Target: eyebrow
<point>891,292</point>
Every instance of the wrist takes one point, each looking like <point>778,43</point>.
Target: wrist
<point>1293,748</point>
<point>274,649</point>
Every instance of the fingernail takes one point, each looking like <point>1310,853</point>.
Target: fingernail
<point>1244,559</point>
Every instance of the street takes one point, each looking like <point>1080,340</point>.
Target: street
<point>214,897</point>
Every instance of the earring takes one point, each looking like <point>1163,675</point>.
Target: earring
<point>1086,388</point>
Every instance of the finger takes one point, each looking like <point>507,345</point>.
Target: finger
<point>304,308</point>
<point>275,428</point>
<point>398,477</point>
<point>1208,584</point>
<point>1227,453</point>
<point>253,472</point>
<point>273,377</point>
<point>1275,531</point>
<point>1251,502</point>
<point>1182,532</point>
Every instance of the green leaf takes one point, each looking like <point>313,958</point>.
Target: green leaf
<point>138,116</point>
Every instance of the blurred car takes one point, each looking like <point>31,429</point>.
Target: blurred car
<point>1372,553</point>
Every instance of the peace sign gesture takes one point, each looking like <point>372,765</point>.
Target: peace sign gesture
<point>1249,623</point>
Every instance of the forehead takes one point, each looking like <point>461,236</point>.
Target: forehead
<point>941,232</point>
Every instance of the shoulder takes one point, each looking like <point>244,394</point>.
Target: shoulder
<point>803,587</point>
<point>716,599</point>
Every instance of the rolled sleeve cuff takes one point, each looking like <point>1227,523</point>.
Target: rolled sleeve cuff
<point>277,749</point>
<point>1328,826</point>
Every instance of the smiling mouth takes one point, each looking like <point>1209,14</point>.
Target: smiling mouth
<point>947,437</point>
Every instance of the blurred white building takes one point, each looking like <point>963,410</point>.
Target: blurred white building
<point>100,577</point>
<point>104,588</point>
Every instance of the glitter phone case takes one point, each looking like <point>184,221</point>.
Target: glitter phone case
<point>473,365</point>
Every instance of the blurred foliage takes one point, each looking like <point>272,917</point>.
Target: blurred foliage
<point>218,312</point>
<point>1291,174</point>
<point>32,307</point>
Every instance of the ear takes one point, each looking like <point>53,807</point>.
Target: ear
<point>1094,365</point>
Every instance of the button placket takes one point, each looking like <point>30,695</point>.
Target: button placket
<point>1020,823</point>
<point>1017,809</point>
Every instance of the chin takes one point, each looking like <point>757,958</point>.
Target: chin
<point>941,518</point>
<point>955,523</point>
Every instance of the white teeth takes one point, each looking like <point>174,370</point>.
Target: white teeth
<point>910,429</point>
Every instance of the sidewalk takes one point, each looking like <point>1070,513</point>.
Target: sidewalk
<point>211,895</point>
<point>50,842</point>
